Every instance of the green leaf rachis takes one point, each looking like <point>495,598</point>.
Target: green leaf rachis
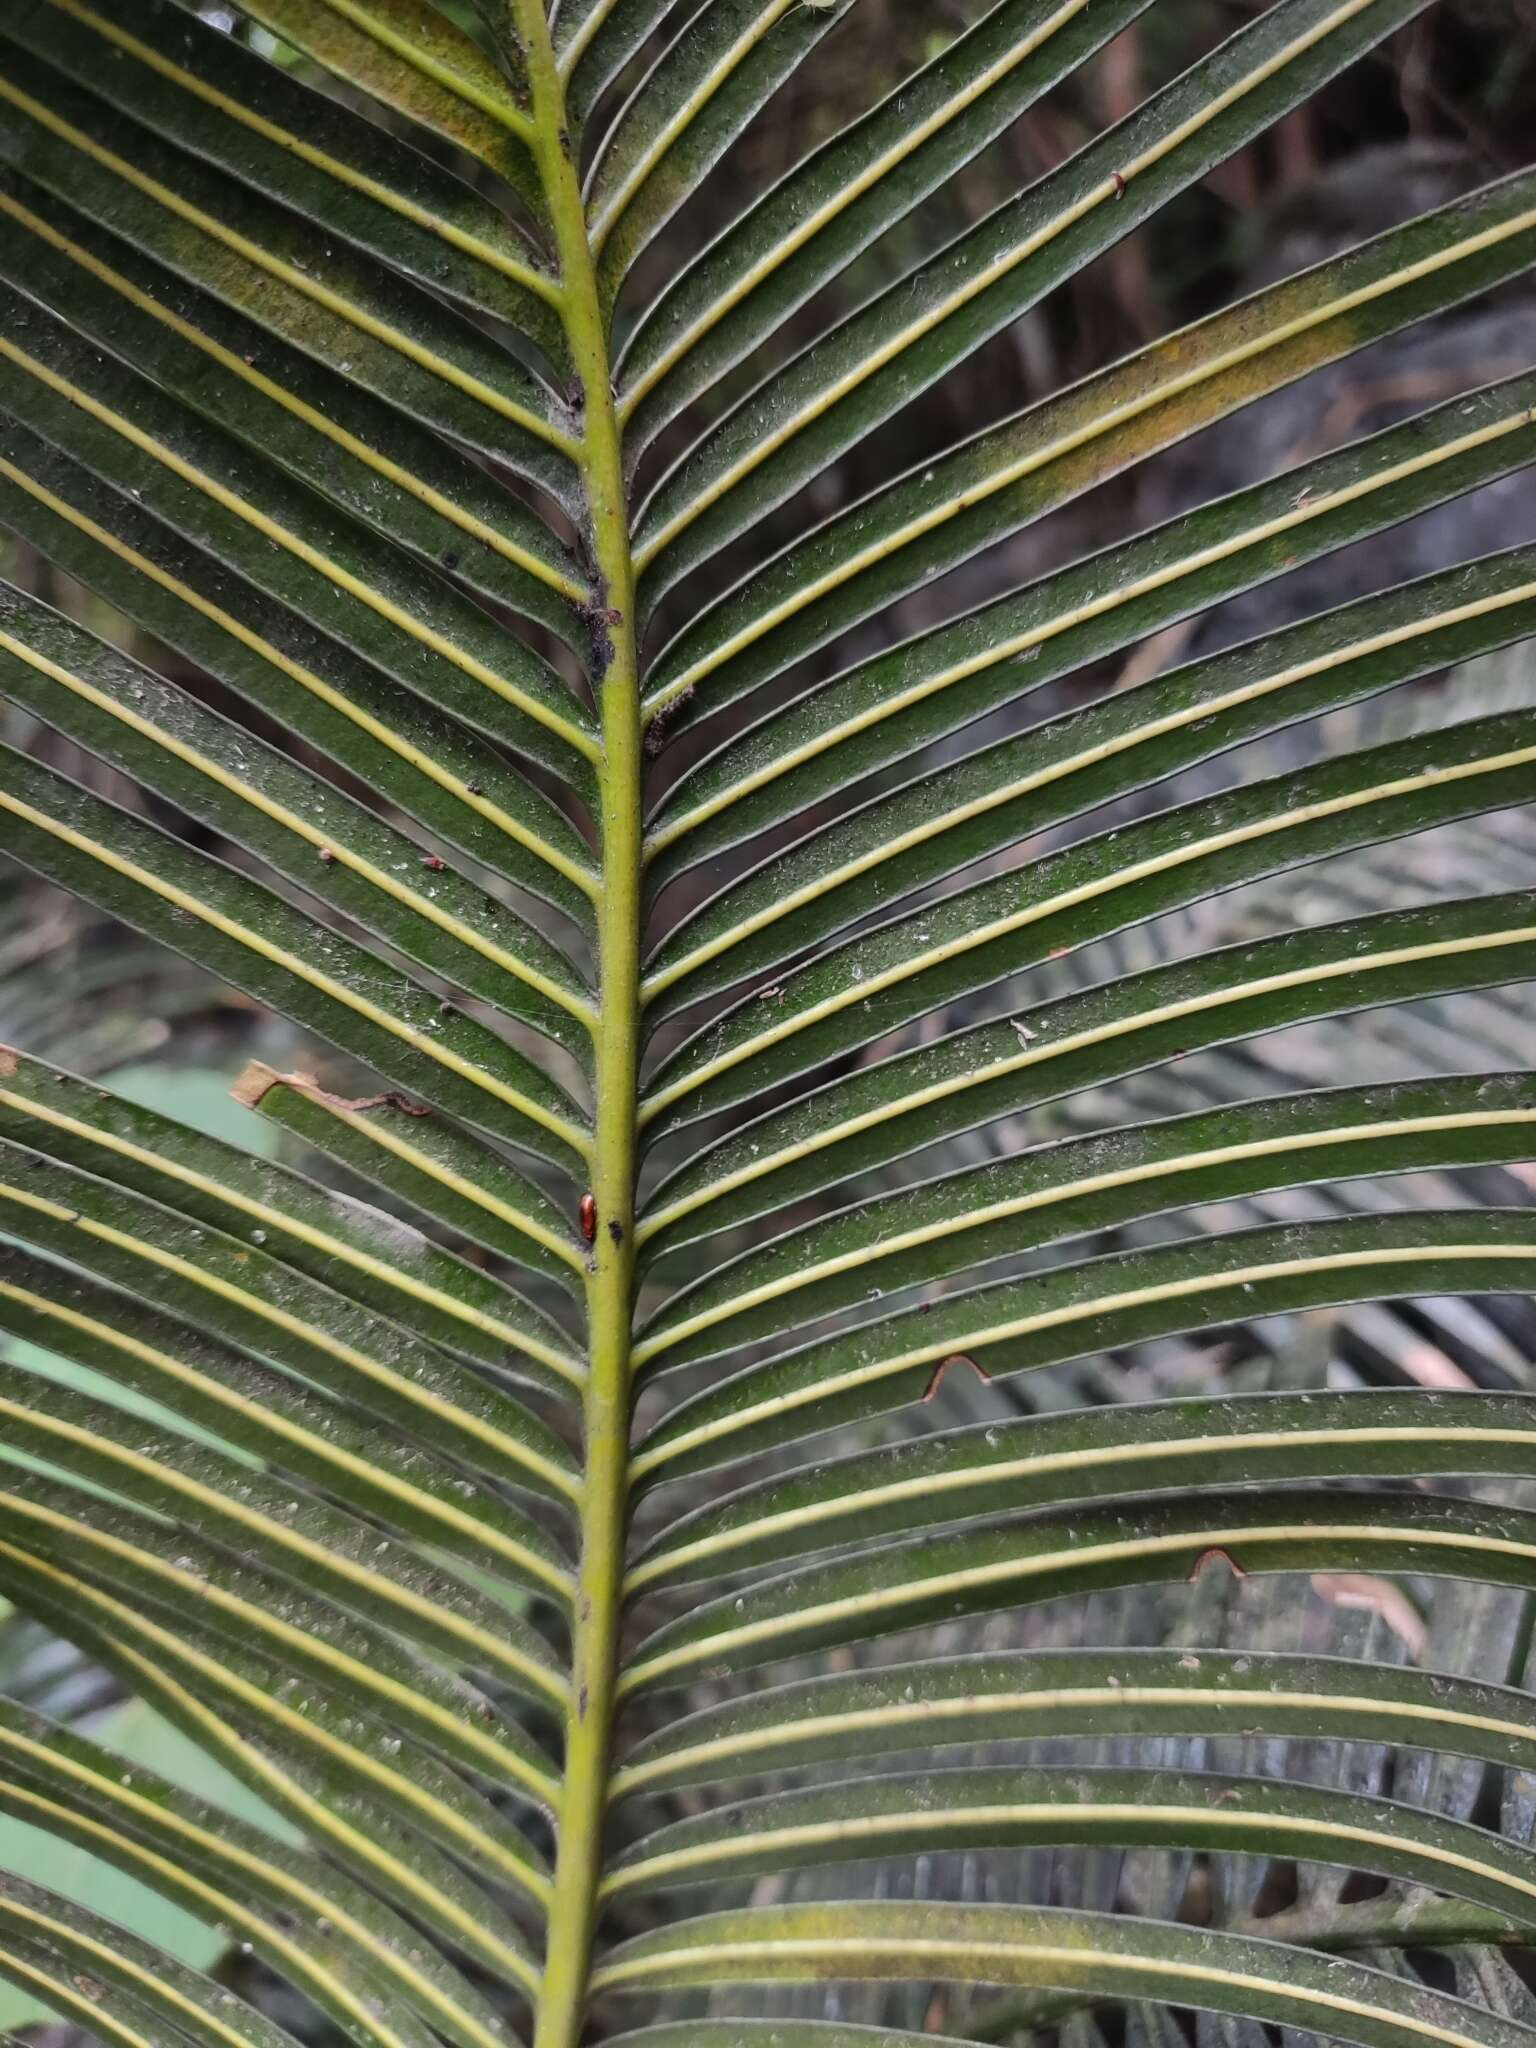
<point>814,1206</point>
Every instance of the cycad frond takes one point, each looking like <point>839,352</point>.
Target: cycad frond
<point>450,654</point>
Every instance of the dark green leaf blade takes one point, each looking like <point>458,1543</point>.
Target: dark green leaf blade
<point>690,107</point>
<point>164,66</point>
<point>239,929</point>
<point>908,966</point>
<point>1096,1305</point>
<point>986,802</point>
<point>101,1976</point>
<point>775,2034</point>
<point>411,58</point>
<point>927,1231</point>
<point>1095,1954</point>
<point>286,1424</point>
<point>1094,1454</point>
<point>379,463</point>
<point>884,356</point>
<point>861,1122</point>
<point>356,317</point>
<point>334,1773</point>
<point>809,226</point>
<point>237,1292</point>
<point>1005,1807</point>
<point>252,1615</point>
<point>880,712</point>
<point>304,1544</point>
<point>438,1170</point>
<point>457,785</point>
<point>1021,1561</point>
<point>313,835</point>
<point>932,519</point>
<point>333,1937</point>
<point>362,590</point>
<point>1016,1696</point>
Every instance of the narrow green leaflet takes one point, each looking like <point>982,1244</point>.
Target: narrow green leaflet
<point>926,1232</point>
<point>1026,1559</point>
<point>241,1293</point>
<point>1005,1807</point>
<point>248,934</point>
<point>412,59</point>
<point>382,605</point>
<point>315,1545</point>
<point>461,787</point>
<point>334,1937</point>
<point>76,1962</point>
<point>906,1102</point>
<point>935,518</point>
<point>366,1667</point>
<point>330,1771</point>
<point>776,2034</point>
<point>134,1735</point>
<point>685,114</point>
<point>1158,1446</point>
<point>985,802</point>
<point>910,965</point>
<point>365,1254</point>
<point>893,349</point>
<point>436,1169</point>
<point>308,832</point>
<point>1068,1950</point>
<point>280,1422</point>
<point>1098,1304</point>
<point>322,426</point>
<point>873,714</point>
<point>241,246</point>
<point>954,1701</point>
<point>822,214</point>
<point>171,70</point>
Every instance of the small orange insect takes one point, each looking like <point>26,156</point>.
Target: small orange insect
<point>1208,1557</point>
<point>589,1218</point>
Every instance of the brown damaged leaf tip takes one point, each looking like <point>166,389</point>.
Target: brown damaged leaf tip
<point>254,1084</point>
<point>955,1358</point>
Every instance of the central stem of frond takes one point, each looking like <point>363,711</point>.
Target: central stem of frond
<point>616,681</point>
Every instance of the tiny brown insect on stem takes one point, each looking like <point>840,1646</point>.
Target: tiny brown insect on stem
<point>589,1218</point>
<point>1209,1557</point>
<point>955,1358</point>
